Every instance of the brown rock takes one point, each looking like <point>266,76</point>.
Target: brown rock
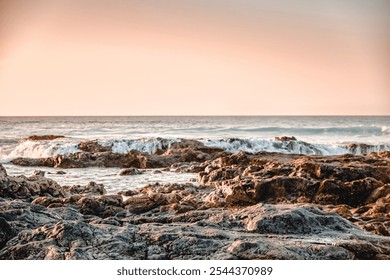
<point>285,138</point>
<point>44,137</point>
<point>130,171</point>
<point>93,147</point>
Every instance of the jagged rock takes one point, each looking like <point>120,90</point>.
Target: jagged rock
<point>243,233</point>
<point>27,188</point>
<point>311,207</point>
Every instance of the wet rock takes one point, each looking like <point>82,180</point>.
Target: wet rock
<point>130,171</point>
<point>285,138</point>
<point>44,137</point>
<point>39,173</point>
<point>93,147</point>
<point>49,162</point>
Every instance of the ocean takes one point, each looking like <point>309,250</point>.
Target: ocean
<point>315,135</point>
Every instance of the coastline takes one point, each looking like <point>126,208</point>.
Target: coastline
<point>243,206</point>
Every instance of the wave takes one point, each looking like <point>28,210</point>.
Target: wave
<point>41,149</point>
<point>385,130</point>
<point>293,147</point>
<point>146,145</point>
<point>37,149</point>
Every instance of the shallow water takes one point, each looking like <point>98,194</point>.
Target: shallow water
<point>107,176</point>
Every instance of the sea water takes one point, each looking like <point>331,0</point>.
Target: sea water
<point>316,135</point>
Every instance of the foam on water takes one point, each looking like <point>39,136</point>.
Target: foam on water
<point>146,145</point>
<point>38,149</point>
<point>290,147</point>
<point>385,130</point>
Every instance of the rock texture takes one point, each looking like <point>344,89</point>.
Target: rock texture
<point>244,206</point>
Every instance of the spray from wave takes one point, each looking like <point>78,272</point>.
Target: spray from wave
<point>42,149</point>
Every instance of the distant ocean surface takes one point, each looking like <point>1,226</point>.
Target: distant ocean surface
<point>317,135</point>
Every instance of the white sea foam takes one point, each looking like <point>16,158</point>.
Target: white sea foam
<point>385,130</point>
<point>262,145</point>
<point>146,145</point>
<point>38,149</point>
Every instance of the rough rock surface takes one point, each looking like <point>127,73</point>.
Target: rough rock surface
<point>246,206</point>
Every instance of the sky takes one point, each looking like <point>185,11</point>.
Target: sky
<point>194,57</point>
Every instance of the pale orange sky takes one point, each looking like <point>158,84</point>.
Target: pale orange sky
<point>187,57</point>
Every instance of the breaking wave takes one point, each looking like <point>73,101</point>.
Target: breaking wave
<point>39,149</point>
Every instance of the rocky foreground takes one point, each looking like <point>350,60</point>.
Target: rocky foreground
<point>244,206</point>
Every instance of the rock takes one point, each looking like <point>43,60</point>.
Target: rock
<point>353,193</point>
<point>91,188</point>
<point>44,137</point>
<point>6,232</point>
<point>28,188</point>
<point>285,138</point>
<point>128,192</point>
<point>63,233</point>
<point>49,162</point>
<point>246,206</point>
<point>3,172</point>
<point>39,173</point>
<point>130,171</point>
<point>93,147</point>
<point>287,219</point>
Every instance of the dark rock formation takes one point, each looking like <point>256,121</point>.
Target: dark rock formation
<point>285,138</point>
<point>93,147</point>
<point>28,188</point>
<point>44,137</point>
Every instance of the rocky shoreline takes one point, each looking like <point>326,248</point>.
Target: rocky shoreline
<point>243,206</point>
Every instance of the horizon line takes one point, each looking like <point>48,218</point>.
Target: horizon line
<point>269,115</point>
